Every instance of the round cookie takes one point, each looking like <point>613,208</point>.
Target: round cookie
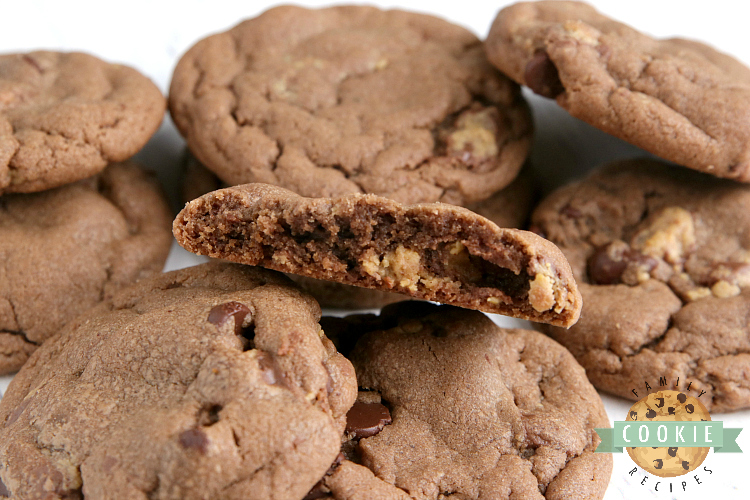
<point>455,405</point>
<point>352,99</point>
<point>209,382</point>
<point>668,406</point>
<point>65,116</point>
<point>678,99</point>
<point>65,250</point>
<point>662,259</point>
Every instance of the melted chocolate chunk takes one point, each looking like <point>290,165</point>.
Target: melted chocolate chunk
<point>194,438</point>
<point>606,264</point>
<point>542,77</point>
<point>681,398</point>
<point>650,413</point>
<point>220,314</point>
<point>366,419</point>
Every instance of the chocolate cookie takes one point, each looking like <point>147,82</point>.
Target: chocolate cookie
<point>452,404</point>
<point>67,249</point>
<point>428,251</point>
<point>65,116</point>
<point>509,207</point>
<point>678,99</point>
<point>352,99</point>
<point>209,382</point>
<point>662,258</point>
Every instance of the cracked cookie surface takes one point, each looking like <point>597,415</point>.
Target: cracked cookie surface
<point>431,251</point>
<point>65,116</point>
<point>679,99</point>
<point>352,100</point>
<point>662,259</point>
<point>214,381</point>
<point>472,410</point>
<point>66,249</point>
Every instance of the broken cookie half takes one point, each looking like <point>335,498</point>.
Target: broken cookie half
<point>436,252</point>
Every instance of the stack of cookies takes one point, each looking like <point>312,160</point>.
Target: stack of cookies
<point>373,156</point>
<point>78,222</point>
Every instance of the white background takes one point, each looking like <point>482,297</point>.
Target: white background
<point>151,35</point>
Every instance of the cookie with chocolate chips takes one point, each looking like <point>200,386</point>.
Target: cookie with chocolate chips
<point>214,381</point>
<point>509,207</point>
<point>450,403</point>
<point>433,251</point>
<point>679,99</point>
<point>352,99</point>
<point>65,116</point>
<point>66,249</point>
<point>662,258</point>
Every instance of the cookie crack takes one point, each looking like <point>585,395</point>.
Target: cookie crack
<point>20,333</point>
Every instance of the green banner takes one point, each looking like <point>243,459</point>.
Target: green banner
<point>668,434</point>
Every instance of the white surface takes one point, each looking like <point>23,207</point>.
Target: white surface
<point>151,35</point>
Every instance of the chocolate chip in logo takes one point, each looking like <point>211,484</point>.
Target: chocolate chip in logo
<point>670,410</point>
<point>194,438</point>
<point>3,489</point>
<point>650,413</point>
<point>689,408</point>
<point>672,452</point>
<point>681,398</point>
<point>658,463</point>
<point>686,465</point>
<point>660,402</point>
<point>634,415</point>
<point>542,77</point>
<point>366,419</point>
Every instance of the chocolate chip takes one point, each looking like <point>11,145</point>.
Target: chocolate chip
<point>220,314</point>
<point>650,413</point>
<point>681,398</point>
<point>660,402</point>
<point>608,262</point>
<point>366,419</point>
<point>603,269</point>
<point>542,77</point>
<point>194,438</point>
<point>658,463</point>
<point>272,372</point>
<point>689,408</point>
<point>672,452</point>
<point>3,489</point>
<point>686,465</point>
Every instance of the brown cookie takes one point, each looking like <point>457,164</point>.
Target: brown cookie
<point>209,382</point>
<point>352,99</point>
<point>678,99</point>
<point>452,404</point>
<point>662,257</point>
<point>509,207</point>
<point>67,249</point>
<point>428,251</point>
<point>65,116</point>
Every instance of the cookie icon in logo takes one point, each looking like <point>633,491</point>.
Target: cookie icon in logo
<point>668,406</point>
